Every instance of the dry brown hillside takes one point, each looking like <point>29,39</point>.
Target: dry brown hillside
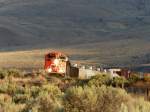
<point>115,31</point>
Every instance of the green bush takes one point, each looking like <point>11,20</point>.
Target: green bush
<point>7,87</point>
<point>147,78</point>
<point>7,104</point>
<point>14,73</point>
<point>21,98</point>
<point>54,80</point>
<point>102,99</point>
<point>51,89</point>
<point>34,91</point>
<point>48,103</point>
<point>99,80</point>
<point>11,107</point>
<point>48,100</point>
<point>11,88</point>
<point>42,72</point>
<point>3,73</point>
<point>78,99</point>
<point>10,72</point>
<point>82,82</point>
<point>93,99</point>
<point>93,95</point>
<point>4,87</point>
<point>133,78</point>
<point>135,105</point>
<point>119,81</point>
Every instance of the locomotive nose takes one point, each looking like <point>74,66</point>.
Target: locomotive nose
<point>49,70</point>
<point>56,62</point>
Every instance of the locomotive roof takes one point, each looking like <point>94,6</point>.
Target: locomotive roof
<point>57,54</point>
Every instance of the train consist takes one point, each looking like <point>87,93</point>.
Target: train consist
<point>57,63</point>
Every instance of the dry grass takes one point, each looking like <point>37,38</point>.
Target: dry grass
<point>105,53</point>
<point>33,59</point>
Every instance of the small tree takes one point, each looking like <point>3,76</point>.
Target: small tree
<point>99,80</point>
<point>119,81</point>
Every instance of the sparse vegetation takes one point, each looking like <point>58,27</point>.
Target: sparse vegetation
<point>147,78</point>
<point>119,81</point>
<point>134,78</point>
<point>102,99</point>
<point>66,95</point>
<point>99,80</point>
<point>3,74</point>
<point>93,99</point>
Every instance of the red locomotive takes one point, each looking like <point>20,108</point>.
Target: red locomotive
<point>56,62</point>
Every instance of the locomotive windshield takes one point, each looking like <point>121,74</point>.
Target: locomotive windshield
<point>51,56</point>
<point>62,57</point>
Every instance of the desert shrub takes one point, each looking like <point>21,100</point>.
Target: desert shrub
<point>48,103</point>
<point>11,107</point>
<point>93,95</point>
<point>34,91</point>
<point>99,80</point>
<point>51,89</point>
<point>20,89</point>
<point>47,100</point>
<point>42,72</point>
<point>7,87</point>
<point>81,82</point>
<point>10,88</point>
<point>78,99</point>
<point>102,99</point>
<point>119,81</point>
<point>110,99</point>
<point>140,105</point>
<point>13,88</point>
<point>93,99</point>
<point>5,98</point>
<point>3,73</point>
<point>43,103</point>
<point>21,98</point>
<point>66,83</point>
<point>7,104</point>
<point>14,73</point>
<point>133,78</point>
<point>4,87</point>
<point>69,80</point>
<point>10,72</point>
<point>147,78</point>
<point>135,105</point>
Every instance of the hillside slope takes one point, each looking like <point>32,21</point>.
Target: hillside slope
<point>115,31</point>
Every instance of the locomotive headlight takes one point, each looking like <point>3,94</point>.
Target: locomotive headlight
<point>49,70</point>
<point>56,62</point>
